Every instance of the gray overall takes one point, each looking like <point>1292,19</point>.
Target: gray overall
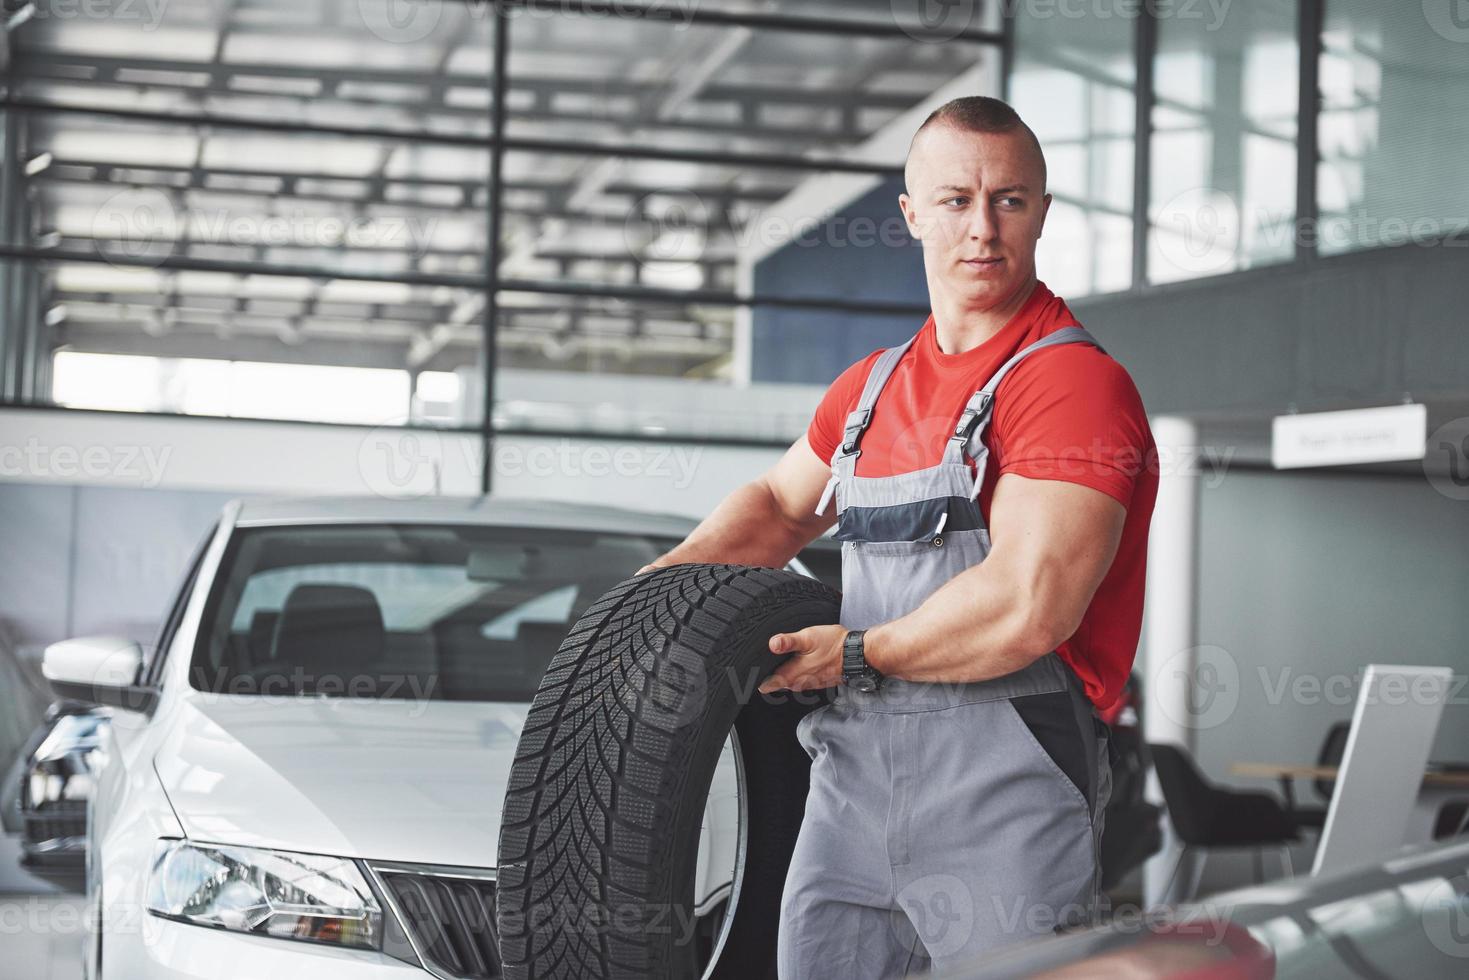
<point>944,820</point>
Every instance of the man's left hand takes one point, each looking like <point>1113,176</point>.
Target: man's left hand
<point>813,659</point>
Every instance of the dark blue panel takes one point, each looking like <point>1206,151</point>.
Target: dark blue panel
<point>863,252</point>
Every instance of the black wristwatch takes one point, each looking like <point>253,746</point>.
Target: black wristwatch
<point>857,673</point>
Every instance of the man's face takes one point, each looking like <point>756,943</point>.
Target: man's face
<point>977,202</point>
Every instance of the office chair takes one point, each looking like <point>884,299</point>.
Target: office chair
<point>1206,816</point>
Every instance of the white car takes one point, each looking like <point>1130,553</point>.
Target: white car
<point>306,779</point>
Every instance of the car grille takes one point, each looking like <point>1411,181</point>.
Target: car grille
<point>450,917</point>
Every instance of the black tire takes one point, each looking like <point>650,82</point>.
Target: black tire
<point>606,795</point>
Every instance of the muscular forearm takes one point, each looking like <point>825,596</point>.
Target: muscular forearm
<point>980,624</point>
<point>749,527</point>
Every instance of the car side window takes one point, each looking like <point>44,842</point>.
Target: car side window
<point>154,670</point>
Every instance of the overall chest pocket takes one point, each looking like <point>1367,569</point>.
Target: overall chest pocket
<point>882,580</point>
<point>915,521</point>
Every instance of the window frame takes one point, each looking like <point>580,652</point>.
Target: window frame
<point>153,669</point>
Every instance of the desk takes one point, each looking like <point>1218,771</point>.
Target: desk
<point>1438,788</point>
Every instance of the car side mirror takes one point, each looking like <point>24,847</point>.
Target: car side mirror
<point>99,670</point>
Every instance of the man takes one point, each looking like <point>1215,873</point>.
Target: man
<point>994,541</point>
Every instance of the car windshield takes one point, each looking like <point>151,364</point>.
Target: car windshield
<point>440,612</point>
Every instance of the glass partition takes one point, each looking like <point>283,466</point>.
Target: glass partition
<point>1393,126</point>
<point>1223,194</point>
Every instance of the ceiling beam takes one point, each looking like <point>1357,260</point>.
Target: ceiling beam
<point>62,66</point>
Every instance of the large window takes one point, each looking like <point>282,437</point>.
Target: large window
<point>245,209</point>
<point>1074,81</point>
<point>1208,110</point>
<point>1225,106</point>
<point>248,389</point>
<point>349,208</point>
<point>1394,124</point>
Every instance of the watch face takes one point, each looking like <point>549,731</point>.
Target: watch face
<point>863,683</point>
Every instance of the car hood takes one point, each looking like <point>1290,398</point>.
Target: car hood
<point>411,781</point>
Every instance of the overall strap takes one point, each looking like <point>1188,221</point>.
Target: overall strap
<point>844,459</point>
<point>968,435</point>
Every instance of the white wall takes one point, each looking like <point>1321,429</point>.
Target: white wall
<point>60,448</point>
<point>1304,579</point>
<point>64,447</point>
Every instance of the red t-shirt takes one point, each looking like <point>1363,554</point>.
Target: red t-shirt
<point>1066,413</point>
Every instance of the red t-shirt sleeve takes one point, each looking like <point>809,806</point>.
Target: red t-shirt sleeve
<point>825,430</point>
<point>1073,414</point>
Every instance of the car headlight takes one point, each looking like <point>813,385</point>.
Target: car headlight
<point>267,893</point>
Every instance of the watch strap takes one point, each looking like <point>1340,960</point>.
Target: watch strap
<point>854,656</point>
<point>854,662</point>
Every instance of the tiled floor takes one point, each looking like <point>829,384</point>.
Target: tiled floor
<point>41,936</point>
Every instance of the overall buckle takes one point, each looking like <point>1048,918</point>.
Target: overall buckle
<point>852,431</point>
<point>970,418</point>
